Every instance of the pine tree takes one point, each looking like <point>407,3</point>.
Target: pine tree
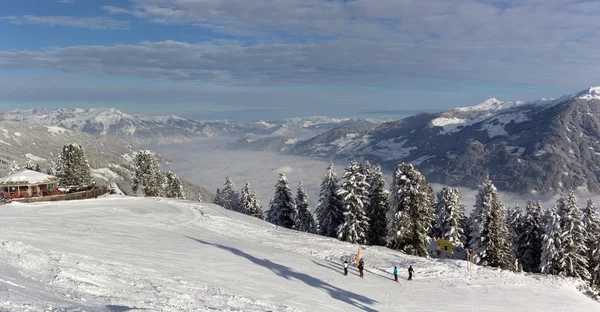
<point>246,200</point>
<point>29,165</point>
<point>14,167</point>
<point>574,251</point>
<point>229,195</point>
<point>256,207</point>
<point>282,211</point>
<point>75,168</point>
<point>218,200</point>
<point>306,220</point>
<point>377,209</point>
<point>550,261</point>
<point>530,239</point>
<point>147,180</point>
<point>329,210</point>
<point>591,221</point>
<point>37,168</point>
<point>515,229</point>
<point>173,186</point>
<point>54,165</point>
<point>490,238</point>
<point>354,193</point>
<point>411,211</point>
<point>450,216</point>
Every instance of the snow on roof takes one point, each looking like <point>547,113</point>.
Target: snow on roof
<point>27,177</point>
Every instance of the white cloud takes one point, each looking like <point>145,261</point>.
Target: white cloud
<point>115,10</point>
<point>80,22</point>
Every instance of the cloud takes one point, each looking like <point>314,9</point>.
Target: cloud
<point>339,61</point>
<point>80,22</point>
<point>115,10</point>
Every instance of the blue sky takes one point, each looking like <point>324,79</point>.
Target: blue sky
<point>268,59</point>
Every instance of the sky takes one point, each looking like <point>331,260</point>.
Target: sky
<point>268,59</point>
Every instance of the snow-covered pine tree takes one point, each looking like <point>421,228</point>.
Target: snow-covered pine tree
<point>329,212</point>
<point>490,239</point>
<point>377,209</point>
<point>218,200</point>
<point>282,211</point>
<point>530,239</point>
<point>354,193</point>
<point>411,211</point>
<point>229,195</point>
<point>591,222</point>
<point>550,261</point>
<point>515,229</point>
<point>306,220</point>
<point>75,168</point>
<point>14,167</point>
<point>450,217</point>
<point>246,200</point>
<point>256,207</point>
<point>173,186</point>
<point>54,165</point>
<point>573,250</point>
<point>29,165</point>
<point>37,168</point>
<point>147,179</point>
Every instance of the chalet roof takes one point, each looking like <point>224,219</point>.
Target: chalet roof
<point>26,177</point>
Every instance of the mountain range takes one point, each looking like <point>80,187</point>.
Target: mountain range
<point>141,129</point>
<point>542,146</point>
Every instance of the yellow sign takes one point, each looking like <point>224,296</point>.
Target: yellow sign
<point>444,245</point>
<point>357,258</point>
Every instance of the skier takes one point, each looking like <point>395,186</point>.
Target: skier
<point>361,267</point>
<point>396,274</point>
<point>410,272</point>
<point>346,267</point>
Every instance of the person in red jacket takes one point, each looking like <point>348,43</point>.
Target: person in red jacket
<point>361,267</point>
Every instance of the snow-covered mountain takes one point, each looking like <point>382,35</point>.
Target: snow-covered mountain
<point>141,129</point>
<point>539,146</point>
<point>110,158</point>
<point>145,254</point>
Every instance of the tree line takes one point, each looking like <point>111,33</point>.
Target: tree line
<point>358,208</point>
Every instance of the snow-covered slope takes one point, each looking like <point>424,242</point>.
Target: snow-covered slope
<point>134,254</point>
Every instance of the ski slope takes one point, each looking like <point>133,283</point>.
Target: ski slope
<point>144,254</point>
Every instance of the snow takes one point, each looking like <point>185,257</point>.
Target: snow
<point>145,254</point>
<point>489,104</point>
<point>291,141</point>
<point>54,130</point>
<point>421,159</point>
<point>34,158</point>
<point>592,93</point>
<point>18,134</point>
<point>495,125</point>
<point>515,150</point>
<point>26,177</point>
<point>449,125</point>
<point>5,143</point>
<point>105,174</point>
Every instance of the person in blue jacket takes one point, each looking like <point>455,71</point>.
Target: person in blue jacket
<point>396,274</point>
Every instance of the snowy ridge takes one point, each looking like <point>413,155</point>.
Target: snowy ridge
<point>592,93</point>
<point>204,258</point>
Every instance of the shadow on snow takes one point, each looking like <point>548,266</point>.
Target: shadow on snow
<point>356,300</point>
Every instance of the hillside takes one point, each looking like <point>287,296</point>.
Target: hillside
<point>110,158</point>
<point>141,254</point>
<point>542,146</point>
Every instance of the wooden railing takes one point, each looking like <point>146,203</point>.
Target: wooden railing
<point>93,193</point>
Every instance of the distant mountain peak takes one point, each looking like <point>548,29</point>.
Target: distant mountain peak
<point>592,93</point>
<point>488,105</point>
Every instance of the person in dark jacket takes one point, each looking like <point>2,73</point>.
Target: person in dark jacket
<point>396,274</point>
<point>410,272</point>
<point>361,267</point>
<point>346,264</point>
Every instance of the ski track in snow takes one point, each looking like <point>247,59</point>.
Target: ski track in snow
<point>134,254</point>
